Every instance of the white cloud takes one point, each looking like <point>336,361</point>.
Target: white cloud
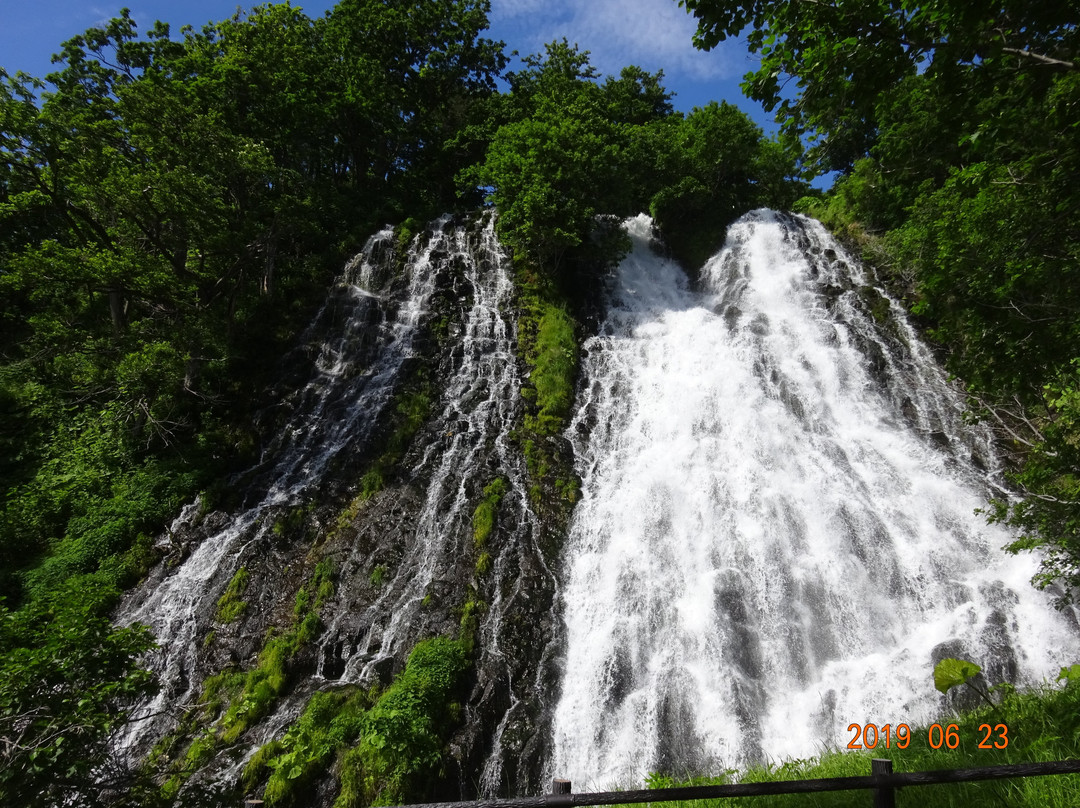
<point>653,34</point>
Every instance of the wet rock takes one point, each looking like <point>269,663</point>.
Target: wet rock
<point>384,670</point>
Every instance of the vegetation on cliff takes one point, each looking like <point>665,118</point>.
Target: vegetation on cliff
<point>387,747</point>
<point>567,149</point>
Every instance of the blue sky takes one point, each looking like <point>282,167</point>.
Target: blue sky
<point>653,34</point>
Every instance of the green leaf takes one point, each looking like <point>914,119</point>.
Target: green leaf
<point>1070,674</point>
<point>952,672</point>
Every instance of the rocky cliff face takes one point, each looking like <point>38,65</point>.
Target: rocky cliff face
<point>392,504</point>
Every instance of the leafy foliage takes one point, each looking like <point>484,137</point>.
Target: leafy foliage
<point>388,746</point>
<point>401,747</point>
<point>66,675</point>
<point>950,673</point>
<point>718,168</point>
<point>555,164</point>
<point>846,56</point>
<point>572,149</point>
<point>330,723</point>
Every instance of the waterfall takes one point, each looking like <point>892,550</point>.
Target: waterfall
<point>777,532</point>
<point>407,560</point>
<point>358,345</point>
<point>467,444</point>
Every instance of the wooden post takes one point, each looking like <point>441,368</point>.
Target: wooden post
<point>560,793</point>
<point>883,797</point>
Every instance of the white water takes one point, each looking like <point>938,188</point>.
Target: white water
<point>336,410</point>
<point>473,420</point>
<point>352,356</point>
<point>476,406</point>
<point>775,530</point>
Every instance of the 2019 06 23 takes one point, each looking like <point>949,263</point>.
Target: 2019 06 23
<point>871,736</point>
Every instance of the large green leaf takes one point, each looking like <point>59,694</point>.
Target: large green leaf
<point>952,672</point>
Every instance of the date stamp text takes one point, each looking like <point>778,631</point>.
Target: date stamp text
<point>871,736</point>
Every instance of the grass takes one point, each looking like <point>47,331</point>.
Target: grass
<point>270,676</point>
<point>330,722</point>
<point>1043,725</point>
<point>554,362</point>
<point>232,700</point>
<point>547,343</point>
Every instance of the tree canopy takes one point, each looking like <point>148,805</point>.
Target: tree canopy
<point>568,147</point>
<point>844,55</point>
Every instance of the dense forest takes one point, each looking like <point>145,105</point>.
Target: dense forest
<point>173,207</point>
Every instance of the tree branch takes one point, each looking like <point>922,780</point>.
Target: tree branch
<point>1038,57</point>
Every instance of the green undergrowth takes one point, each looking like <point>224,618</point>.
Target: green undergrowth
<point>1042,725</point>
<point>270,676</point>
<point>386,748</point>
<point>484,515</point>
<point>403,236</point>
<point>547,335</point>
<point>331,721</point>
<point>554,360</point>
<point>290,522</point>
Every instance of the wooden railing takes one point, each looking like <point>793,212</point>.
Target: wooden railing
<point>882,781</point>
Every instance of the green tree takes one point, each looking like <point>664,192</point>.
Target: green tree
<point>407,76</point>
<point>556,164</point>
<point>66,675</point>
<point>718,167</point>
<point>845,55</point>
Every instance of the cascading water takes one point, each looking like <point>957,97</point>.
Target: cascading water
<point>407,560</point>
<point>478,405</point>
<point>350,381</point>
<point>777,531</point>
<point>467,445</point>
